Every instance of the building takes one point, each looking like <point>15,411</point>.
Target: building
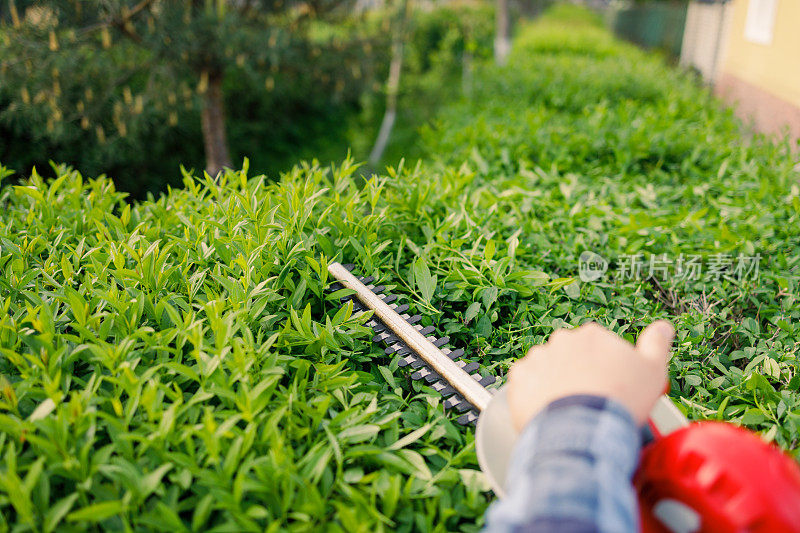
<point>749,50</point>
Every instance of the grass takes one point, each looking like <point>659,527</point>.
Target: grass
<point>176,364</point>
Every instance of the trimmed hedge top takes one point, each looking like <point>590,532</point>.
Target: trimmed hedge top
<point>176,364</point>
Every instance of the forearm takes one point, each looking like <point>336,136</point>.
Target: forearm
<point>571,471</point>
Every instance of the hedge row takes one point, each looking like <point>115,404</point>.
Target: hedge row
<point>609,150</point>
<point>176,364</point>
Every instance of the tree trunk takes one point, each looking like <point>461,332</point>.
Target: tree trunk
<point>392,86</point>
<point>466,73</point>
<point>502,38</point>
<point>213,119</point>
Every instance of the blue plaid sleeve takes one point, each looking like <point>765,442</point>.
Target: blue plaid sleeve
<point>571,471</point>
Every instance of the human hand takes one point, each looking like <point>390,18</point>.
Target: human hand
<point>592,360</point>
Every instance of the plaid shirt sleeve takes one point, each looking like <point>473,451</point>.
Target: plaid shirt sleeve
<point>571,471</point>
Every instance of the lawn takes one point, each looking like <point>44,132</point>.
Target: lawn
<point>177,364</point>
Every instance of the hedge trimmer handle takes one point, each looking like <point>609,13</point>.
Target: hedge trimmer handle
<point>713,476</point>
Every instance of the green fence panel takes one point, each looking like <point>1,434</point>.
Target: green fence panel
<point>655,25</point>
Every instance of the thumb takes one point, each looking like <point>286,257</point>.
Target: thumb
<point>655,340</point>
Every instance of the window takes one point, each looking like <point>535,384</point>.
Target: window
<point>760,21</point>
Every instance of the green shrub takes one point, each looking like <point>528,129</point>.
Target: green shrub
<point>620,154</point>
<point>176,364</point>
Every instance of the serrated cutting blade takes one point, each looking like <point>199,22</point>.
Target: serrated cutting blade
<point>418,347</point>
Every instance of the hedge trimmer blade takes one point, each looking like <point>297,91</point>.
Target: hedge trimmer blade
<point>419,348</point>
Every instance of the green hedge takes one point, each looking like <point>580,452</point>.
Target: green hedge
<point>607,149</point>
<point>176,364</point>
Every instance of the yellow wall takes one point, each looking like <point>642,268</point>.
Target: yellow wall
<point>775,67</point>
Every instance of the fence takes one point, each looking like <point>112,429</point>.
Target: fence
<point>655,25</point>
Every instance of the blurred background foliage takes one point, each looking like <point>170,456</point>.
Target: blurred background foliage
<point>124,95</point>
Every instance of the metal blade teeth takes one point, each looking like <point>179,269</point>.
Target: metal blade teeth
<point>487,380</point>
<point>388,298</point>
<point>455,354</point>
<point>378,327</point>
<point>405,316</point>
<point>430,375</point>
<point>377,289</point>
<point>458,403</point>
<point>407,358</point>
<point>427,374</point>
<point>358,307</point>
<point>390,338</point>
<point>399,309</point>
<point>470,417</point>
<point>444,390</point>
<point>417,362</point>
<point>400,348</point>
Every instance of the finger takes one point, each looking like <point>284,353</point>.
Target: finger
<point>517,372</point>
<point>521,367</point>
<point>655,341</point>
<point>557,334</point>
<point>534,351</point>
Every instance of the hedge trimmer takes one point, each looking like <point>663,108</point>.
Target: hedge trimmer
<point>706,476</point>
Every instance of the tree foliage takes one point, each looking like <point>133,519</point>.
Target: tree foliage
<point>108,69</point>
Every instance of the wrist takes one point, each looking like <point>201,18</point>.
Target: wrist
<point>586,424</point>
<point>594,402</point>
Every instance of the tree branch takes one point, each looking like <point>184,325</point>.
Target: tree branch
<point>121,23</point>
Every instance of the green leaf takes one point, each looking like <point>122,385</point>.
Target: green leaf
<point>359,433</point>
<point>472,311</point>
<point>484,327</point>
<point>387,375</point>
<point>693,380</point>
<point>474,479</point>
<point>42,410</point>
<point>202,511</point>
<point>753,416</point>
<point>97,512</point>
<point>421,469</point>
<point>425,282</point>
<point>30,191</point>
<point>573,290</point>
<point>488,252</point>
<point>151,481</point>
<point>57,511</point>
<point>410,438</point>
<point>559,283</point>
<point>489,296</point>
